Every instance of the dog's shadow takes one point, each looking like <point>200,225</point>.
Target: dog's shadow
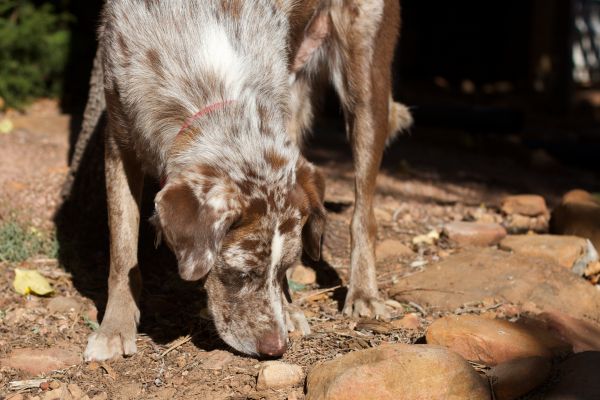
<point>170,307</point>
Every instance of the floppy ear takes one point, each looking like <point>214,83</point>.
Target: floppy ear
<point>312,183</point>
<point>193,228</point>
<point>316,32</point>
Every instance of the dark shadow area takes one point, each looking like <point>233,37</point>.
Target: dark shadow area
<point>327,276</point>
<point>84,32</point>
<point>170,307</point>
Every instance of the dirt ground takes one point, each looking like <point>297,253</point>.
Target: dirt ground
<point>424,183</point>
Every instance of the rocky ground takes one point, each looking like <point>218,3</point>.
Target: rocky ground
<point>485,302</point>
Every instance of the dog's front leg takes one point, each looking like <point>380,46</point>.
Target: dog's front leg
<point>366,34</point>
<point>124,181</point>
<point>295,319</point>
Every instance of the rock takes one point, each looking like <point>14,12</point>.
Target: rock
<point>509,277</point>
<point>303,275</point>
<point>578,215</point>
<point>569,251</point>
<point>474,233</point>
<point>515,378</point>
<point>398,371</point>
<point>577,378</point>
<point>428,238</point>
<point>277,375</point>
<point>61,304</point>
<point>529,205</point>
<point>525,213</point>
<point>75,391</point>
<point>547,335</point>
<point>39,361</point>
<point>390,248</point>
<point>592,269</point>
<point>486,341</point>
<point>518,223</point>
<point>54,385</point>
<point>409,321</point>
<point>60,393</point>
<point>583,335</point>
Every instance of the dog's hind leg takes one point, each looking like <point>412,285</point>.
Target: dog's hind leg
<point>124,181</point>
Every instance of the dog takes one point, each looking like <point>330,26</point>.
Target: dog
<point>212,98</point>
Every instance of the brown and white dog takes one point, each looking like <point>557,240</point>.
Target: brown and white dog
<point>212,97</point>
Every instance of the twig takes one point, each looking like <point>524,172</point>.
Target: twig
<point>418,308</point>
<point>176,344</point>
<point>27,384</point>
<point>318,292</point>
<point>427,290</point>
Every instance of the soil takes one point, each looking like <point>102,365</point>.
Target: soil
<point>424,183</point>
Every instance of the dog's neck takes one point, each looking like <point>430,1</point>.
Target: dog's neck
<point>244,70</point>
<point>242,138</point>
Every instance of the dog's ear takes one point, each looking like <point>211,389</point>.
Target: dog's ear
<point>312,185</point>
<point>193,227</point>
<point>316,32</point>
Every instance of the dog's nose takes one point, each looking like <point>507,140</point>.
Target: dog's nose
<point>272,344</point>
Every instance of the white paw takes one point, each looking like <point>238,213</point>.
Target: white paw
<point>104,346</point>
<point>368,307</point>
<point>296,320</point>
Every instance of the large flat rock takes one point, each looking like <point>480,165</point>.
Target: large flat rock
<point>579,215</point>
<point>568,251</point>
<point>476,274</point>
<point>398,371</point>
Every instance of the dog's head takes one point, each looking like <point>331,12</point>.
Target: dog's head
<point>243,236</point>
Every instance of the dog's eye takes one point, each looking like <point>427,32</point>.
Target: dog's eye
<point>236,223</point>
<point>250,276</point>
<point>245,276</point>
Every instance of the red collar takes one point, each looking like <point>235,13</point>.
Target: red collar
<point>204,111</point>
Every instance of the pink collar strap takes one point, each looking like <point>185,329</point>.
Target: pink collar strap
<point>205,111</point>
<point>188,122</point>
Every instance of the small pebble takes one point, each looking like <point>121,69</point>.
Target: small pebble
<point>277,375</point>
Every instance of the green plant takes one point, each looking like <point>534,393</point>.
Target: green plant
<point>34,45</point>
<point>18,243</point>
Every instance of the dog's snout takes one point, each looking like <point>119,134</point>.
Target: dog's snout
<point>272,344</point>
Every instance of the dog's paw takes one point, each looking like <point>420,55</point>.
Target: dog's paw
<point>104,346</point>
<point>296,320</point>
<point>365,306</point>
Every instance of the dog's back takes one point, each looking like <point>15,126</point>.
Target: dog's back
<point>165,60</point>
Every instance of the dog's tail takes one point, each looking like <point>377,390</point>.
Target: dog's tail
<point>400,120</point>
<point>94,109</point>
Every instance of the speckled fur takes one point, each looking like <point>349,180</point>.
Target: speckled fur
<point>239,202</point>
